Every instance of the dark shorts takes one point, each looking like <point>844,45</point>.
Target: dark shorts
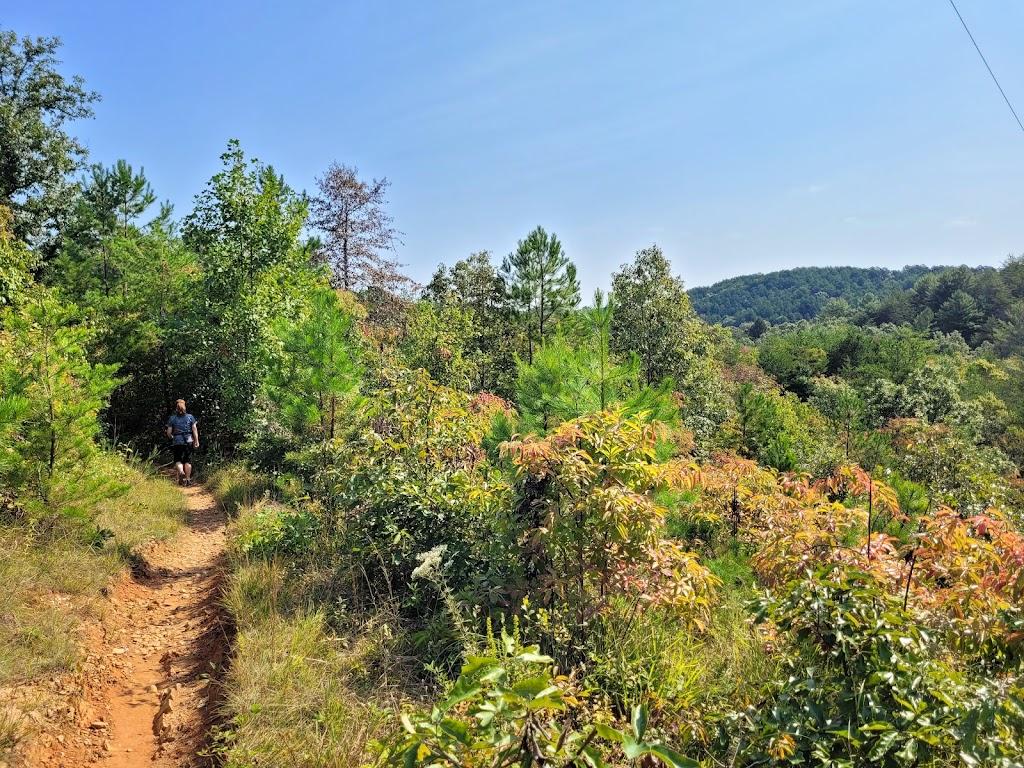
<point>182,453</point>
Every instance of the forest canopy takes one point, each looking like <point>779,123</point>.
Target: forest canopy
<point>798,294</point>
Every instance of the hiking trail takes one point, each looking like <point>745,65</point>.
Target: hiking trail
<point>148,687</point>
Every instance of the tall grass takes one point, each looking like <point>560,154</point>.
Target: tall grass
<point>298,693</point>
<point>236,486</point>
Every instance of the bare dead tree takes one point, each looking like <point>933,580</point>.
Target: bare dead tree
<point>358,231</point>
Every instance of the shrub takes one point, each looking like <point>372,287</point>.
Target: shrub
<point>861,686</point>
<point>512,709</point>
<point>593,529</point>
<point>267,529</point>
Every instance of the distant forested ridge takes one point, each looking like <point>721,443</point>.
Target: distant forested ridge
<point>797,294</point>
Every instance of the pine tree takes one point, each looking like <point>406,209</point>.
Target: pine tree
<point>960,312</point>
<point>542,285</point>
<point>350,212</point>
<point>315,368</point>
<point>52,395</point>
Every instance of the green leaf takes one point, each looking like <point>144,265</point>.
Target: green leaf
<point>457,730</point>
<point>531,657</point>
<point>592,756</point>
<point>476,663</point>
<point>533,687</point>
<point>608,733</point>
<point>877,725</point>
<point>673,758</point>
<point>908,754</point>
<point>633,748</point>
<point>462,690</point>
<point>639,721</point>
<point>883,745</point>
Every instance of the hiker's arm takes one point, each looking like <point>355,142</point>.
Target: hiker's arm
<point>169,431</point>
<point>195,434</point>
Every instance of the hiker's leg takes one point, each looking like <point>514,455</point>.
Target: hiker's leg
<point>188,472</point>
<point>179,470</point>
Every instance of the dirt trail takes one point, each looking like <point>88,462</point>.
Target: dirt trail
<point>147,694</point>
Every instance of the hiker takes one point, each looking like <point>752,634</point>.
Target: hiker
<point>184,434</point>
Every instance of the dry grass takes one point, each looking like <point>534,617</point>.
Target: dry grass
<point>11,729</point>
<point>152,510</point>
<point>298,696</point>
<point>49,583</point>
<point>297,693</point>
<point>235,486</point>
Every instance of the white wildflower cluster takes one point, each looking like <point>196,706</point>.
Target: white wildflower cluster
<point>431,562</point>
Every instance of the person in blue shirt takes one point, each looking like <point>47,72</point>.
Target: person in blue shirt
<point>184,435</point>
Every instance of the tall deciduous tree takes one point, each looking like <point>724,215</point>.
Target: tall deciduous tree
<point>350,212</point>
<point>38,156</point>
<point>542,284</point>
<point>15,261</point>
<point>245,229</point>
<point>474,284</point>
<point>654,318</point>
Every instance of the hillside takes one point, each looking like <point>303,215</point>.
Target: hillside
<point>796,294</point>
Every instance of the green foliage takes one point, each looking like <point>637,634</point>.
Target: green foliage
<point>864,690</point>
<point>272,529</point>
<point>410,480</point>
<point>542,285</point>
<point>143,310</point>
<point>952,466</point>
<point>780,431</point>
<point>493,340</point>
<point>245,230</point>
<point>384,517</point>
<point>980,305</point>
<point>797,294</point>
<point>98,236</point>
<point>313,372</point>
<point>795,356</point>
<point>36,101</point>
<point>52,396</point>
<point>236,486</point>
<point>586,501</point>
<point>653,319</point>
<point>436,340</point>
<point>16,261</point>
<point>572,377</point>
<point>511,710</point>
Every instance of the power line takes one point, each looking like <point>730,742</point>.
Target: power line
<point>993,74</point>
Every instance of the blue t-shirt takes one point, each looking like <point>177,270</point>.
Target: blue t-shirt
<point>181,428</point>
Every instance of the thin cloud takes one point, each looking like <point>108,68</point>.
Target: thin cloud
<point>810,190</point>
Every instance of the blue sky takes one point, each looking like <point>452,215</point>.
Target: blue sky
<point>739,136</point>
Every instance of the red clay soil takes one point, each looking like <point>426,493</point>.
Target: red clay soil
<point>146,694</point>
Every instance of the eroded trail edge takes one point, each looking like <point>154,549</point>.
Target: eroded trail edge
<point>150,679</point>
